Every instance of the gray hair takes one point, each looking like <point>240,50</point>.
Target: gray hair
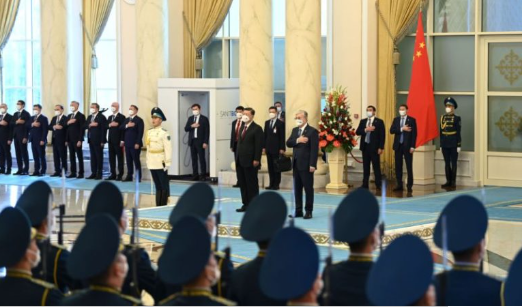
<point>302,112</point>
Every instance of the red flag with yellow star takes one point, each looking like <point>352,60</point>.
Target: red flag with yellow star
<point>421,93</point>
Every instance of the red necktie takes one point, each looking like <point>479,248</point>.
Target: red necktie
<point>237,130</point>
<point>244,132</point>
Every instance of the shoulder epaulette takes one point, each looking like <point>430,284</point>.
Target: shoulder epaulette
<point>42,283</point>
<point>222,300</point>
<point>164,129</point>
<point>59,246</point>
<point>169,298</point>
<point>132,299</point>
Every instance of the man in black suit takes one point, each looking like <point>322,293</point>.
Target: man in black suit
<point>38,140</point>
<point>248,158</point>
<point>405,129</point>
<point>96,126</point>
<point>237,126</point>
<point>21,122</point>
<point>133,128</point>
<point>115,143</point>
<point>305,143</point>
<point>280,113</point>
<point>58,127</point>
<point>372,132</point>
<point>199,128</point>
<point>6,137</point>
<point>74,138</point>
<point>273,146</point>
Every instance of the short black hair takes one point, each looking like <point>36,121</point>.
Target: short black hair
<point>60,106</point>
<point>96,105</point>
<point>278,102</point>
<point>252,111</point>
<point>357,247</point>
<point>22,102</point>
<point>37,106</point>
<point>272,108</point>
<point>373,108</point>
<point>464,255</point>
<point>239,108</point>
<point>403,105</point>
<point>136,108</point>
<point>196,105</point>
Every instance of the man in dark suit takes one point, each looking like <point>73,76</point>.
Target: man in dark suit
<point>38,140</point>
<point>6,137</point>
<point>280,113</point>
<point>237,126</point>
<point>405,129</point>
<point>21,122</point>
<point>115,139</point>
<point>305,143</point>
<point>372,132</point>
<point>96,126</point>
<point>273,147</point>
<point>133,128</point>
<point>58,127</point>
<point>199,128</point>
<point>74,138</point>
<point>248,158</point>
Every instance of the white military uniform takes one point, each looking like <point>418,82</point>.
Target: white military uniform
<point>158,145</point>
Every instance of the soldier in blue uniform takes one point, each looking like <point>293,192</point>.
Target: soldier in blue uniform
<point>264,217</point>
<point>19,254</point>
<point>511,289</point>
<point>290,270</point>
<point>198,200</point>
<point>188,260</point>
<point>97,258</point>
<point>106,198</point>
<point>402,275</point>
<point>35,203</point>
<point>356,223</point>
<point>450,141</point>
<point>466,225</point>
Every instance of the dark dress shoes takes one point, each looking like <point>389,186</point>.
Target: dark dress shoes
<point>307,215</point>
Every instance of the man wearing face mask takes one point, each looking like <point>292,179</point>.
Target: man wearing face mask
<point>194,268</point>
<point>96,126</point>
<point>133,128</point>
<point>97,258</point>
<point>74,139</point>
<point>115,142</point>
<point>237,126</point>
<point>38,140</point>
<point>305,143</point>
<point>58,130</point>
<point>273,146</point>
<point>35,202</point>
<point>372,132</point>
<point>248,158</point>
<point>21,122</point>
<point>19,254</point>
<point>280,113</point>
<point>198,127</point>
<point>450,141</point>
<point>405,129</point>
<point>6,137</point>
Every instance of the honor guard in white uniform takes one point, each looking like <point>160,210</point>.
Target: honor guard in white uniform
<point>158,157</point>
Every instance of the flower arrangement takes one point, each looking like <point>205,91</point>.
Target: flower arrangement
<point>335,126</point>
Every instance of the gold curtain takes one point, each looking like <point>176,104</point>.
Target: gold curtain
<point>203,19</point>
<point>95,14</point>
<point>394,20</point>
<point>8,12</point>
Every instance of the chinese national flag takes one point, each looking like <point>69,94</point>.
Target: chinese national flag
<point>421,94</point>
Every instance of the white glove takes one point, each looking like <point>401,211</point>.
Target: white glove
<point>166,168</point>
<point>459,149</point>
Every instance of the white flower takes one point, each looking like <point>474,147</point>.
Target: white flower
<point>336,132</point>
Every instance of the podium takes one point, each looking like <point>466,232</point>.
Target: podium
<point>218,99</point>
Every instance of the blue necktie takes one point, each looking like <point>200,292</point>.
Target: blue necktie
<point>367,138</point>
<point>402,134</point>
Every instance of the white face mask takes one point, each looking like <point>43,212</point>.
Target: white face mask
<point>72,109</point>
<point>238,115</point>
<point>369,114</point>
<point>298,122</point>
<point>402,112</point>
<point>130,112</point>
<point>57,113</point>
<point>279,109</point>
<point>2,111</point>
<point>35,262</point>
<point>19,107</point>
<point>245,118</point>
<point>92,110</point>
<point>195,112</point>
<point>271,115</point>
<point>217,276</point>
<point>448,110</point>
<point>36,112</point>
<point>113,109</point>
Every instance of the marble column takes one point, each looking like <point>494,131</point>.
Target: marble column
<point>303,61</point>
<point>256,57</point>
<point>152,53</point>
<point>54,55</point>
